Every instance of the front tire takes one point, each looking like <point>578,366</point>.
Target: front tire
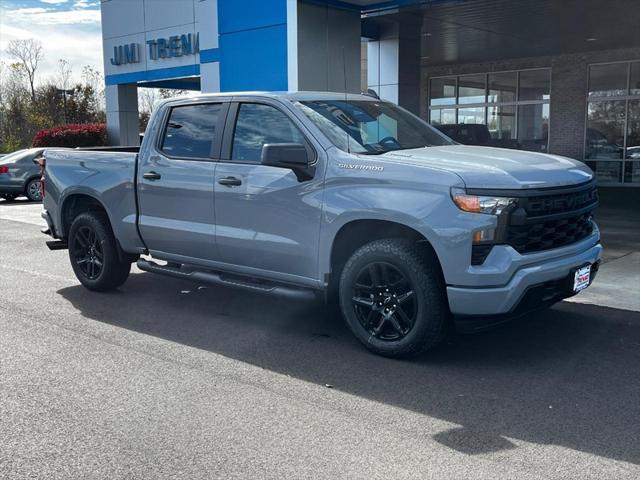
<point>94,253</point>
<point>393,298</point>
<point>32,190</point>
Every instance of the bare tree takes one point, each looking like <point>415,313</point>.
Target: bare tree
<point>29,54</point>
<point>95,79</point>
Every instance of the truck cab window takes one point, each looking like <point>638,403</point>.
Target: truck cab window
<point>190,130</point>
<point>260,124</point>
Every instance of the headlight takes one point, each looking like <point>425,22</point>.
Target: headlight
<point>479,203</point>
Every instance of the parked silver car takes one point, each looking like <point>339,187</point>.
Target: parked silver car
<point>20,175</point>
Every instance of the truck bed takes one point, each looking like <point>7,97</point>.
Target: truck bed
<point>104,173</point>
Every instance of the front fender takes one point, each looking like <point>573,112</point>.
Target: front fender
<point>417,198</point>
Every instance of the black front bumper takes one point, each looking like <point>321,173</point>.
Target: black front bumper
<point>536,297</point>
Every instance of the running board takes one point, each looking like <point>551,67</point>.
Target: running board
<point>57,245</point>
<point>218,278</point>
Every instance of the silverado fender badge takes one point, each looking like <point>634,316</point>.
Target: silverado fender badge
<point>351,166</point>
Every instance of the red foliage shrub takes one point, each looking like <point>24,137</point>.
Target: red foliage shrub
<point>72,135</point>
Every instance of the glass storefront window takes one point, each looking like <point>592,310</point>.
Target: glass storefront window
<point>606,171</point>
<point>605,130</point>
<point>608,80</point>
<point>471,89</point>
<point>631,172</point>
<point>613,124</point>
<point>534,85</point>
<point>634,79</point>
<point>443,116</point>
<point>533,127</point>
<point>471,115</point>
<point>502,122</point>
<point>514,106</point>
<point>502,87</point>
<point>443,91</point>
<point>633,130</point>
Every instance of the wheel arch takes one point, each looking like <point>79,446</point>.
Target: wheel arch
<point>75,204</point>
<point>355,233</point>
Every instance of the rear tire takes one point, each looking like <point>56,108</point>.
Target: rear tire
<point>94,253</point>
<point>393,298</point>
<point>9,197</point>
<point>32,190</point>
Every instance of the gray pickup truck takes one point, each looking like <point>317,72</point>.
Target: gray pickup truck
<point>296,194</point>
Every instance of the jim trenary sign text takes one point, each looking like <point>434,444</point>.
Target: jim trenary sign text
<point>174,46</point>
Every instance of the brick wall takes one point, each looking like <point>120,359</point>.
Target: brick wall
<point>567,113</point>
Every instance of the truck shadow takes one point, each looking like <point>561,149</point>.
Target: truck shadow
<point>567,376</point>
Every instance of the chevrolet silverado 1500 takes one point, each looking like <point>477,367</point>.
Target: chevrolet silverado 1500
<point>298,193</point>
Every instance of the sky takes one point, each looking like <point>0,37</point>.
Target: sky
<point>68,29</point>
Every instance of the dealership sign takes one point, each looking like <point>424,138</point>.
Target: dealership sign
<point>160,48</point>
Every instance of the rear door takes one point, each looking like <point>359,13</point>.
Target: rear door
<point>268,221</point>
<point>175,179</point>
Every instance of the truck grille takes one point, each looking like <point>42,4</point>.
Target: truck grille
<point>545,221</point>
<point>560,203</point>
<point>544,235</point>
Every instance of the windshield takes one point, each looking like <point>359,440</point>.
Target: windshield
<point>371,127</point>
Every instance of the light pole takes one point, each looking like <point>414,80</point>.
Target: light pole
<point>64,93</point>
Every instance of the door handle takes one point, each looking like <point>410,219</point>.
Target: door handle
<point>152,176</point>
<point>230,181</point>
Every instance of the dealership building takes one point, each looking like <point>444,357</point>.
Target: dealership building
<point>556,76</point>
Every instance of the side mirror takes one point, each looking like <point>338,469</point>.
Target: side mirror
<point>294,156</point>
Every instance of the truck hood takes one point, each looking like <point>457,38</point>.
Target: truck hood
<point>487,167</point>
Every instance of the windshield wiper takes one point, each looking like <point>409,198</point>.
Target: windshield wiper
<point>393,150</point>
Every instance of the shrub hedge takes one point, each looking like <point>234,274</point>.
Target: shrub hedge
<point>72,135</point>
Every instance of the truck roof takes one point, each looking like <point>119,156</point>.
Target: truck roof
<point>291,96</point>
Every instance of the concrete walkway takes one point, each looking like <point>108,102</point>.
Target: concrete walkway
<point>618,282</point>
<point>617,285</point>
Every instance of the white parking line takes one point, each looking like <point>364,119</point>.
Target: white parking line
<point>22,212</point>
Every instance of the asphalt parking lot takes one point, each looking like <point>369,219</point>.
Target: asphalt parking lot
<point>170,379</point>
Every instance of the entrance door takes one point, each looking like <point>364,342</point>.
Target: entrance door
<point>175,178</point>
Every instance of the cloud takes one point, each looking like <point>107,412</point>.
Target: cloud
<point>84,4</point>
<point>35,16</point>
<point>54,2</point>
<point>73,35</point>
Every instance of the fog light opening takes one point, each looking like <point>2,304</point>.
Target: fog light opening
<point>482,236</point>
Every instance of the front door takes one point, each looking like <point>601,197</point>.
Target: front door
<point>175,178</point>
<point>266,219</point>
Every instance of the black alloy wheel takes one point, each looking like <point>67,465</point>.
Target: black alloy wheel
<point>87,252</point>
<point>393,297</point>
<point>96,257</point>
<point>384,301</point>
